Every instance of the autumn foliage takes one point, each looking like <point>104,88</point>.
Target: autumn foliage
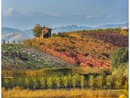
<point>85,48</point>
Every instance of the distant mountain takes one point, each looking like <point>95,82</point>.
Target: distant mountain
<point>8,30</point>
<point>11,34</point>
<point>70,28</point>
<point>75,27</point>
<point>113,26</point>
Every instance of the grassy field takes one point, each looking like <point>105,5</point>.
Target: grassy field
<point>60,93</point>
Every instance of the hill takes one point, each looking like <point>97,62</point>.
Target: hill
<point>91,48</point>
<point>17,56</point>
<point>69,28</point>
<point>7,30</point>
<point>13,34</point>
<point>89,55</point>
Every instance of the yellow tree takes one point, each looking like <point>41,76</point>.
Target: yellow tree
<point>57,81</point>
<point>43,82</point>
<point>100,81</point>
<point>109,81</point>
<point>91,81</point>
<point>65,81</point>
<point>82,79</point>
<point>49,82</point>
<point>37,30</point>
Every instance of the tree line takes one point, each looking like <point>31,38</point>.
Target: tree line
<point>67,81</point>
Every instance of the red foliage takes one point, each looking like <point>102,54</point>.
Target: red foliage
<point>85,48</point>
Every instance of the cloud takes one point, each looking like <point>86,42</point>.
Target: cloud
<point>9,12</point>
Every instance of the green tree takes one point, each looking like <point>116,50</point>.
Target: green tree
<point>119,56</point>
<point>43,82</point>
<point>109,81</point>
<point>57,81</point>
<point>91,81</point>
<point>99,81</point>
<point>65,81</point>
<point>37,30</point>
<point>118,81</point>
<point>126,84</point>
<point>54,34</point>
<point>118,30</point>
<point>74,80</point>
<point>69,77</point>
<point>49,82</point>
<point>82,80</point>
<point>22,80</point>
<point>6,83</point>
<point>35,83</point>
<point>27,82</point>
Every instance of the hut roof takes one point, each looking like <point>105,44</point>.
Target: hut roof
<point>45,27</point>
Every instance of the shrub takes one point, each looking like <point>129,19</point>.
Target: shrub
<point>119,56</point>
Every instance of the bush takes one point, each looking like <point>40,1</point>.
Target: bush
<point>119,56</point>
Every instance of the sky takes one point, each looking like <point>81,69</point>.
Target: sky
<point>24,14</point>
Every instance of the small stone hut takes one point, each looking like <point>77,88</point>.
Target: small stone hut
<point>46,32</point>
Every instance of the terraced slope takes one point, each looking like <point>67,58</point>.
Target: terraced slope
<point>17,56</point>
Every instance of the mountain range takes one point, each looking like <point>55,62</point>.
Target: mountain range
<point>13,34</point>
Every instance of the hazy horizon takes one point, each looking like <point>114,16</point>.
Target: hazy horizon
<point>63,26</point>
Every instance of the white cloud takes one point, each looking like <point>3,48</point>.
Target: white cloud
<point>9,12</point>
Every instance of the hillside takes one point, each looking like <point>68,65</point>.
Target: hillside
<point>83,62</point>
<point>17,56</point>
<point>91,48</point>
<point>82,48</point>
